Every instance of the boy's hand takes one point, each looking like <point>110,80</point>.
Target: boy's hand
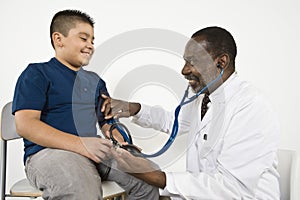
<point>97,149</point>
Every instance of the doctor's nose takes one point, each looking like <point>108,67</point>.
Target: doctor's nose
<point>187,68</point>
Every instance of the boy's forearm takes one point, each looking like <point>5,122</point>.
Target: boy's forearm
<point>30,127</point>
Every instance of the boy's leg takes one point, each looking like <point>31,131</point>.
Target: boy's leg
<point>135,188</point>
<point>64,175</point>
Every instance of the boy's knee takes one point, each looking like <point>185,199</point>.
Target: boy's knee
<point>70,189</point>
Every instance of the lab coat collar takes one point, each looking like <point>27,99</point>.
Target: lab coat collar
<point>223,93</point>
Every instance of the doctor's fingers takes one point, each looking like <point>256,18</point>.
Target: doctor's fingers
<point>114,109</point>
<point>106,105</point>
<point>119,108</point>
<point>132,164</point>
<point>120,158</point>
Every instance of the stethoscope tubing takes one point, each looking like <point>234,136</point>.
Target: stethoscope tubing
<point>127,136</point>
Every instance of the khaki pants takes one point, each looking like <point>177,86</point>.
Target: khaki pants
<point>65,175</point>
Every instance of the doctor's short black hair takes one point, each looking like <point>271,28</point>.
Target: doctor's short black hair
<point>65,20</point>
<point>219,41</point>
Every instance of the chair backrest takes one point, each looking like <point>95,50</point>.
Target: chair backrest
<point>8,127</point>
<point>8,132</point>
<point>287,168</point>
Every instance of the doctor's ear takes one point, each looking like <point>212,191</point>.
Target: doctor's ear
<point>223,61</point>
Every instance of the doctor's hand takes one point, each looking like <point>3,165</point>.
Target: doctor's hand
<point>114,108</point>
<point>129,163</point>
<point>139,167</point>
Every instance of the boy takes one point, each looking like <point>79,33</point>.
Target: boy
<point>55,105</point>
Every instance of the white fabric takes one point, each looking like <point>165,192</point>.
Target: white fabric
<point>238,160</point>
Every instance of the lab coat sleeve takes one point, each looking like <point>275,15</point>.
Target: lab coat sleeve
<point>187,185</point>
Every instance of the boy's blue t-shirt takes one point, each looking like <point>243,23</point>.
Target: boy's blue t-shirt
<point>68,100</point>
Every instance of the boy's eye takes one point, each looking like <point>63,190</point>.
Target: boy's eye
<point>84,39</point>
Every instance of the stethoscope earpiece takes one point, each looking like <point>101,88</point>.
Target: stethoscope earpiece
<point>219,66</point>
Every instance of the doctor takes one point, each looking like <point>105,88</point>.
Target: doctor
<point>231,150</point>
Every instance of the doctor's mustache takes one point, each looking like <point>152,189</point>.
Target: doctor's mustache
<point>191,77</point>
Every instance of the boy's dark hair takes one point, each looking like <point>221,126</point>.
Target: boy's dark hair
<point>219,41</point>
<point>65,20</point>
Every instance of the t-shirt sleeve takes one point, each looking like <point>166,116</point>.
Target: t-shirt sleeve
<point>31,90</point>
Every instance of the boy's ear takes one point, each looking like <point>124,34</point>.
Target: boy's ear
<point>57,39</point>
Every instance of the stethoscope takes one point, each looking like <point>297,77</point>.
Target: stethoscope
<point>127,136</point>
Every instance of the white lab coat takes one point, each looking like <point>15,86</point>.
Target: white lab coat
<point>238,160</point>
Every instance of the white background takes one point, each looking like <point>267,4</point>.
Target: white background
<point>266,32</point>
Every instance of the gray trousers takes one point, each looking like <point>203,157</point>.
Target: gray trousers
<point>64,175</point>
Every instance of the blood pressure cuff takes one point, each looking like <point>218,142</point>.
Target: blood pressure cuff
<point>104,169</point>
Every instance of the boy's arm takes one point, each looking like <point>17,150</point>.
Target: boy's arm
<point>30,127</point>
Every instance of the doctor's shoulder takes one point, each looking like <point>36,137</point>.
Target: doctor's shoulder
<point>248,95</point>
